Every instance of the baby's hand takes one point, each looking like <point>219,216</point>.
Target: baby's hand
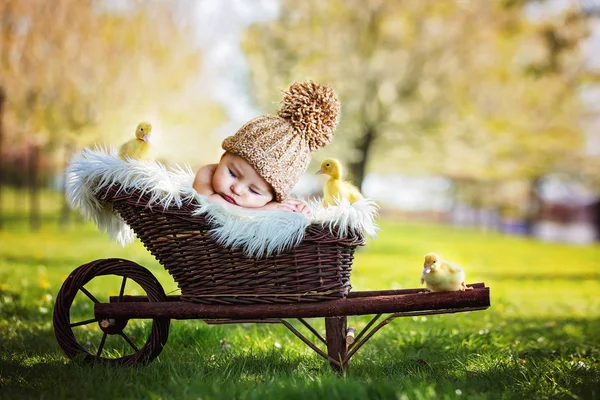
<point>302,207</point>
<point>292,205</point>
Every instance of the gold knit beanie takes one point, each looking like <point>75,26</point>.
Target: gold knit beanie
<point>279,146</point>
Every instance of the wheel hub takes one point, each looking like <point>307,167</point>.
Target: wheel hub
<point>113,326</point>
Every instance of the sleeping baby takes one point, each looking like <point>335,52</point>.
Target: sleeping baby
<point>268,155</point>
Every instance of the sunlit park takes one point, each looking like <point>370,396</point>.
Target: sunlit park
<point>471,129</point>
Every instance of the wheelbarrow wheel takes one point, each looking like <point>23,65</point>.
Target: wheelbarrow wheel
<point>113,341</point>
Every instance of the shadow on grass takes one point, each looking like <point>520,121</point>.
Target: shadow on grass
<point>70,262</point>
<point>27,260</point>
<point>538,278</point>
<point>25,381</point>
<point>543,357</point>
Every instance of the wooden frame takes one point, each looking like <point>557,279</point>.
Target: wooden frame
<point>340,349</point>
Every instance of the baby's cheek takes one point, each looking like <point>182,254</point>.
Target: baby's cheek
<point>217,183</point>
<point>266,201</point>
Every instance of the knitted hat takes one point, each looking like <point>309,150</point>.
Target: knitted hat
<point>279,146</point>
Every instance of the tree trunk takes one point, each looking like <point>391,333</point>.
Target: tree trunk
<point>358,168</point>
<point>19,181</point>
<point>2,97</point>
<point>34,188</point>
<point>534,204</point>
<point>65,212</point>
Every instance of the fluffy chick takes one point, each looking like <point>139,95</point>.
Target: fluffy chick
<point>442,276</point>
<point>138,148</point>
<point>335,188</point>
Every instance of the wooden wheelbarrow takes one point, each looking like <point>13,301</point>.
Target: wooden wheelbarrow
<point>223,286</point>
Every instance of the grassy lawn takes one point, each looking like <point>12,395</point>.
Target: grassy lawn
<point>540,339</point>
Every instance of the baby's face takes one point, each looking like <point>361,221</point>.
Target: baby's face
<point>238,183</point>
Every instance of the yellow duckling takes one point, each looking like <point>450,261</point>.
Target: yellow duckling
<point>138,148</point>
<point>335,188</point>
<point>442,276</point>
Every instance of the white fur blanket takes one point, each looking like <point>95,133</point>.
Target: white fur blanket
<point>257,233</point>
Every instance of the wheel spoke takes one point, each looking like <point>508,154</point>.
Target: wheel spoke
<point>87,321</point>
<point>88,294</point>
<point>122,289</point>
<point>101,344</point>
<point>80,332</point>
<point>129,341</point>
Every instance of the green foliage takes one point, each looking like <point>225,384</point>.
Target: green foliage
<point>424,84</point>
<point>77,73</point>
<point>539,339</point>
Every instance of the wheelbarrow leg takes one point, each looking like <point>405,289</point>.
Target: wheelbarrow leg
<point>335,334</point>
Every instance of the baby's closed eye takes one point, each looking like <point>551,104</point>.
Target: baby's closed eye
<point>233,175</point>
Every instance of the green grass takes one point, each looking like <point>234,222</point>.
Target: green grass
<point>540,339</point>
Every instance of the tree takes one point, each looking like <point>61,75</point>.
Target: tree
<point>81,72</point>
<point>2,96</point>
<point>432,87</point>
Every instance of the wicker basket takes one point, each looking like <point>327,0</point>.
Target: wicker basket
<point>317,269</point>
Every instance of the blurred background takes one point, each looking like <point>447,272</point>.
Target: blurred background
<point>474,113</point>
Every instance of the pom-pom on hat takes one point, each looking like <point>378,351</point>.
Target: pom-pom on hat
<point>279,146</point>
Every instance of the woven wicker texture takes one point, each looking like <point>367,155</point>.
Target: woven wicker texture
<point>317,269</point>
<point>63,327</point>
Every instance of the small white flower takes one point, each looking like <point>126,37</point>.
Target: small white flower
<point>582,365</point>
<point>458,392</point>
<point>277,345</point>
